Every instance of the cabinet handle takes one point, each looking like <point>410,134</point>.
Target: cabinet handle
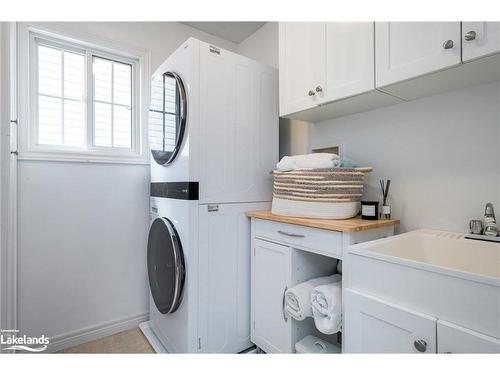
<point>285,318</point>
<point>470,35</point>
<point>291,234</point>
<point>448,44</point>
<point>311,93</point>
<point>319,89</point>
<point>420,345</point>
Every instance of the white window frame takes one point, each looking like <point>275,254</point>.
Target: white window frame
<point>29,149</point>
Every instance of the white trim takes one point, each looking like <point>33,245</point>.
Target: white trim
<point>8,253</point>
<point>140,59</point>
<point>81,336</point>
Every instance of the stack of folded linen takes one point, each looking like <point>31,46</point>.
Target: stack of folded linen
<point>298,298</point>
<point>325,191</point>
<point>319,160</point>
<point>326,304</point>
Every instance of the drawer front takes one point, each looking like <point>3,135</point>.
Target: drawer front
<point>321,241</point>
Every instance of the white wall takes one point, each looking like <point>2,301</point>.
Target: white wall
<point>442,154</point>
<point>83,227</point>
<point>262,45</point>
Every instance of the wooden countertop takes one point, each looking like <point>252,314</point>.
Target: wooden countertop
<point>348,225</point>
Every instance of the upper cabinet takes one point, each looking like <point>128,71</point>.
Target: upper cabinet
<point>333,69</point>
<point>321,62</point>
<point>349,59</point>
<point>480,39</point>
<point>406,50</point>
<point>302,64</point>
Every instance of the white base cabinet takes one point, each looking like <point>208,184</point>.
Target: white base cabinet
<point>284,255</point>
<point>375,326</point>
<point>456,339</point>
<point>396,306</point>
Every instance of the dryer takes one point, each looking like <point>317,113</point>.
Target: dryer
<point>214,139</point>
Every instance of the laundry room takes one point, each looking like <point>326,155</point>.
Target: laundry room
<point>257,186</point>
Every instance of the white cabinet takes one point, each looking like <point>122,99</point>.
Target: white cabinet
<point>321,62</point>
<point>224,318</point>
<point>405,50</point>
<point>480,39</point>
<point>349,60</point>
<point>284,255</point>
<point>456,339</point>
<point>271,266</point>
<point>238,140</point>
<point>301,64</point>
<point>375,326</point>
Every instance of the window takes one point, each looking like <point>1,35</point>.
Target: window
<point>84,100</point>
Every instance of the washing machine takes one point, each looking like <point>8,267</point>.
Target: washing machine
<point>213,134</point>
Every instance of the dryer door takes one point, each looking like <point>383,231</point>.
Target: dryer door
<point>166,269</point>
<point>167,117</point>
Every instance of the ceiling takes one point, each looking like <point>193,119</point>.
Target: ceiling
<point>235,32</point>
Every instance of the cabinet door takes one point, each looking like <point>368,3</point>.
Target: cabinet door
<point>238,128</point>
<point>480,39</point>
<point>224,274</point>
<point>271,268</point>
<point>350,59</point>
<point>375,326</point>
<point>405,50</point>
<point>301,65</point>
<point>455,339</point>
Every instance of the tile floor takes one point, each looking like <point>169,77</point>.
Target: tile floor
<point>132,341</point>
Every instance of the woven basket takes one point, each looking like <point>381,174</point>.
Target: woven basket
<point>319,193</point>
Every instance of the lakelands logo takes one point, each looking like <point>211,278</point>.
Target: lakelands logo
<point>16,342</point>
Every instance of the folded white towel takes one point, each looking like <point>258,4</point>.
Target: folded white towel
<point>319,160</point>
<point>326,304</point>
<point>298,298</point>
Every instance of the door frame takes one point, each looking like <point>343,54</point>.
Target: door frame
<point>8,171</point>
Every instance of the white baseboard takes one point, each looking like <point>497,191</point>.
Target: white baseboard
<point>95,332</point>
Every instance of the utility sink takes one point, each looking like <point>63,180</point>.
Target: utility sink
<point>445,250</point>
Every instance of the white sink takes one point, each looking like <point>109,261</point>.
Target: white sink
<point>446,250</point>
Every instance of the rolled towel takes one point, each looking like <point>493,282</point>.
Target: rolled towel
<point>319,160</point>
<point>326,305</point>
<point>298,298</point>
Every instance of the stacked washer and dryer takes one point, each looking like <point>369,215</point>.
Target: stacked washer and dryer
<point>213,133</point>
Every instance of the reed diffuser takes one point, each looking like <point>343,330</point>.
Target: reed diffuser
<point>385,212</point>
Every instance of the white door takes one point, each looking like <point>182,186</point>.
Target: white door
<point>405,50</point>
<point>271,271</point>
<point>301,65</point>
<point>350,59</point>
<point>480,39</point>
<point>224,277</point>
<point>455,339</point>
<point>375,326</point>
<point>238,127</point>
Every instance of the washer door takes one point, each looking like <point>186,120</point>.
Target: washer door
<point>166,269</point>
<point>167,117</point>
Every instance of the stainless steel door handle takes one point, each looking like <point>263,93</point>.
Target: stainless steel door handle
<point>420,345</point>
<point>291,234</point>
<point>448,44</point>
<point>470,35</point>
<point>285,318</point>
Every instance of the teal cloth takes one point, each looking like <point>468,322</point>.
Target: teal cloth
<point>348,163</point>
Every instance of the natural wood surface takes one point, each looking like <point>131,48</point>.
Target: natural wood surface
<point>348,225</point>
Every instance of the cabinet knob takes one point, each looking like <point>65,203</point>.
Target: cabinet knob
<point>420,345</point>
<point>311,93</point>
<point>319,89</point>
<point>470,35</point>
<point>448,44</point>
